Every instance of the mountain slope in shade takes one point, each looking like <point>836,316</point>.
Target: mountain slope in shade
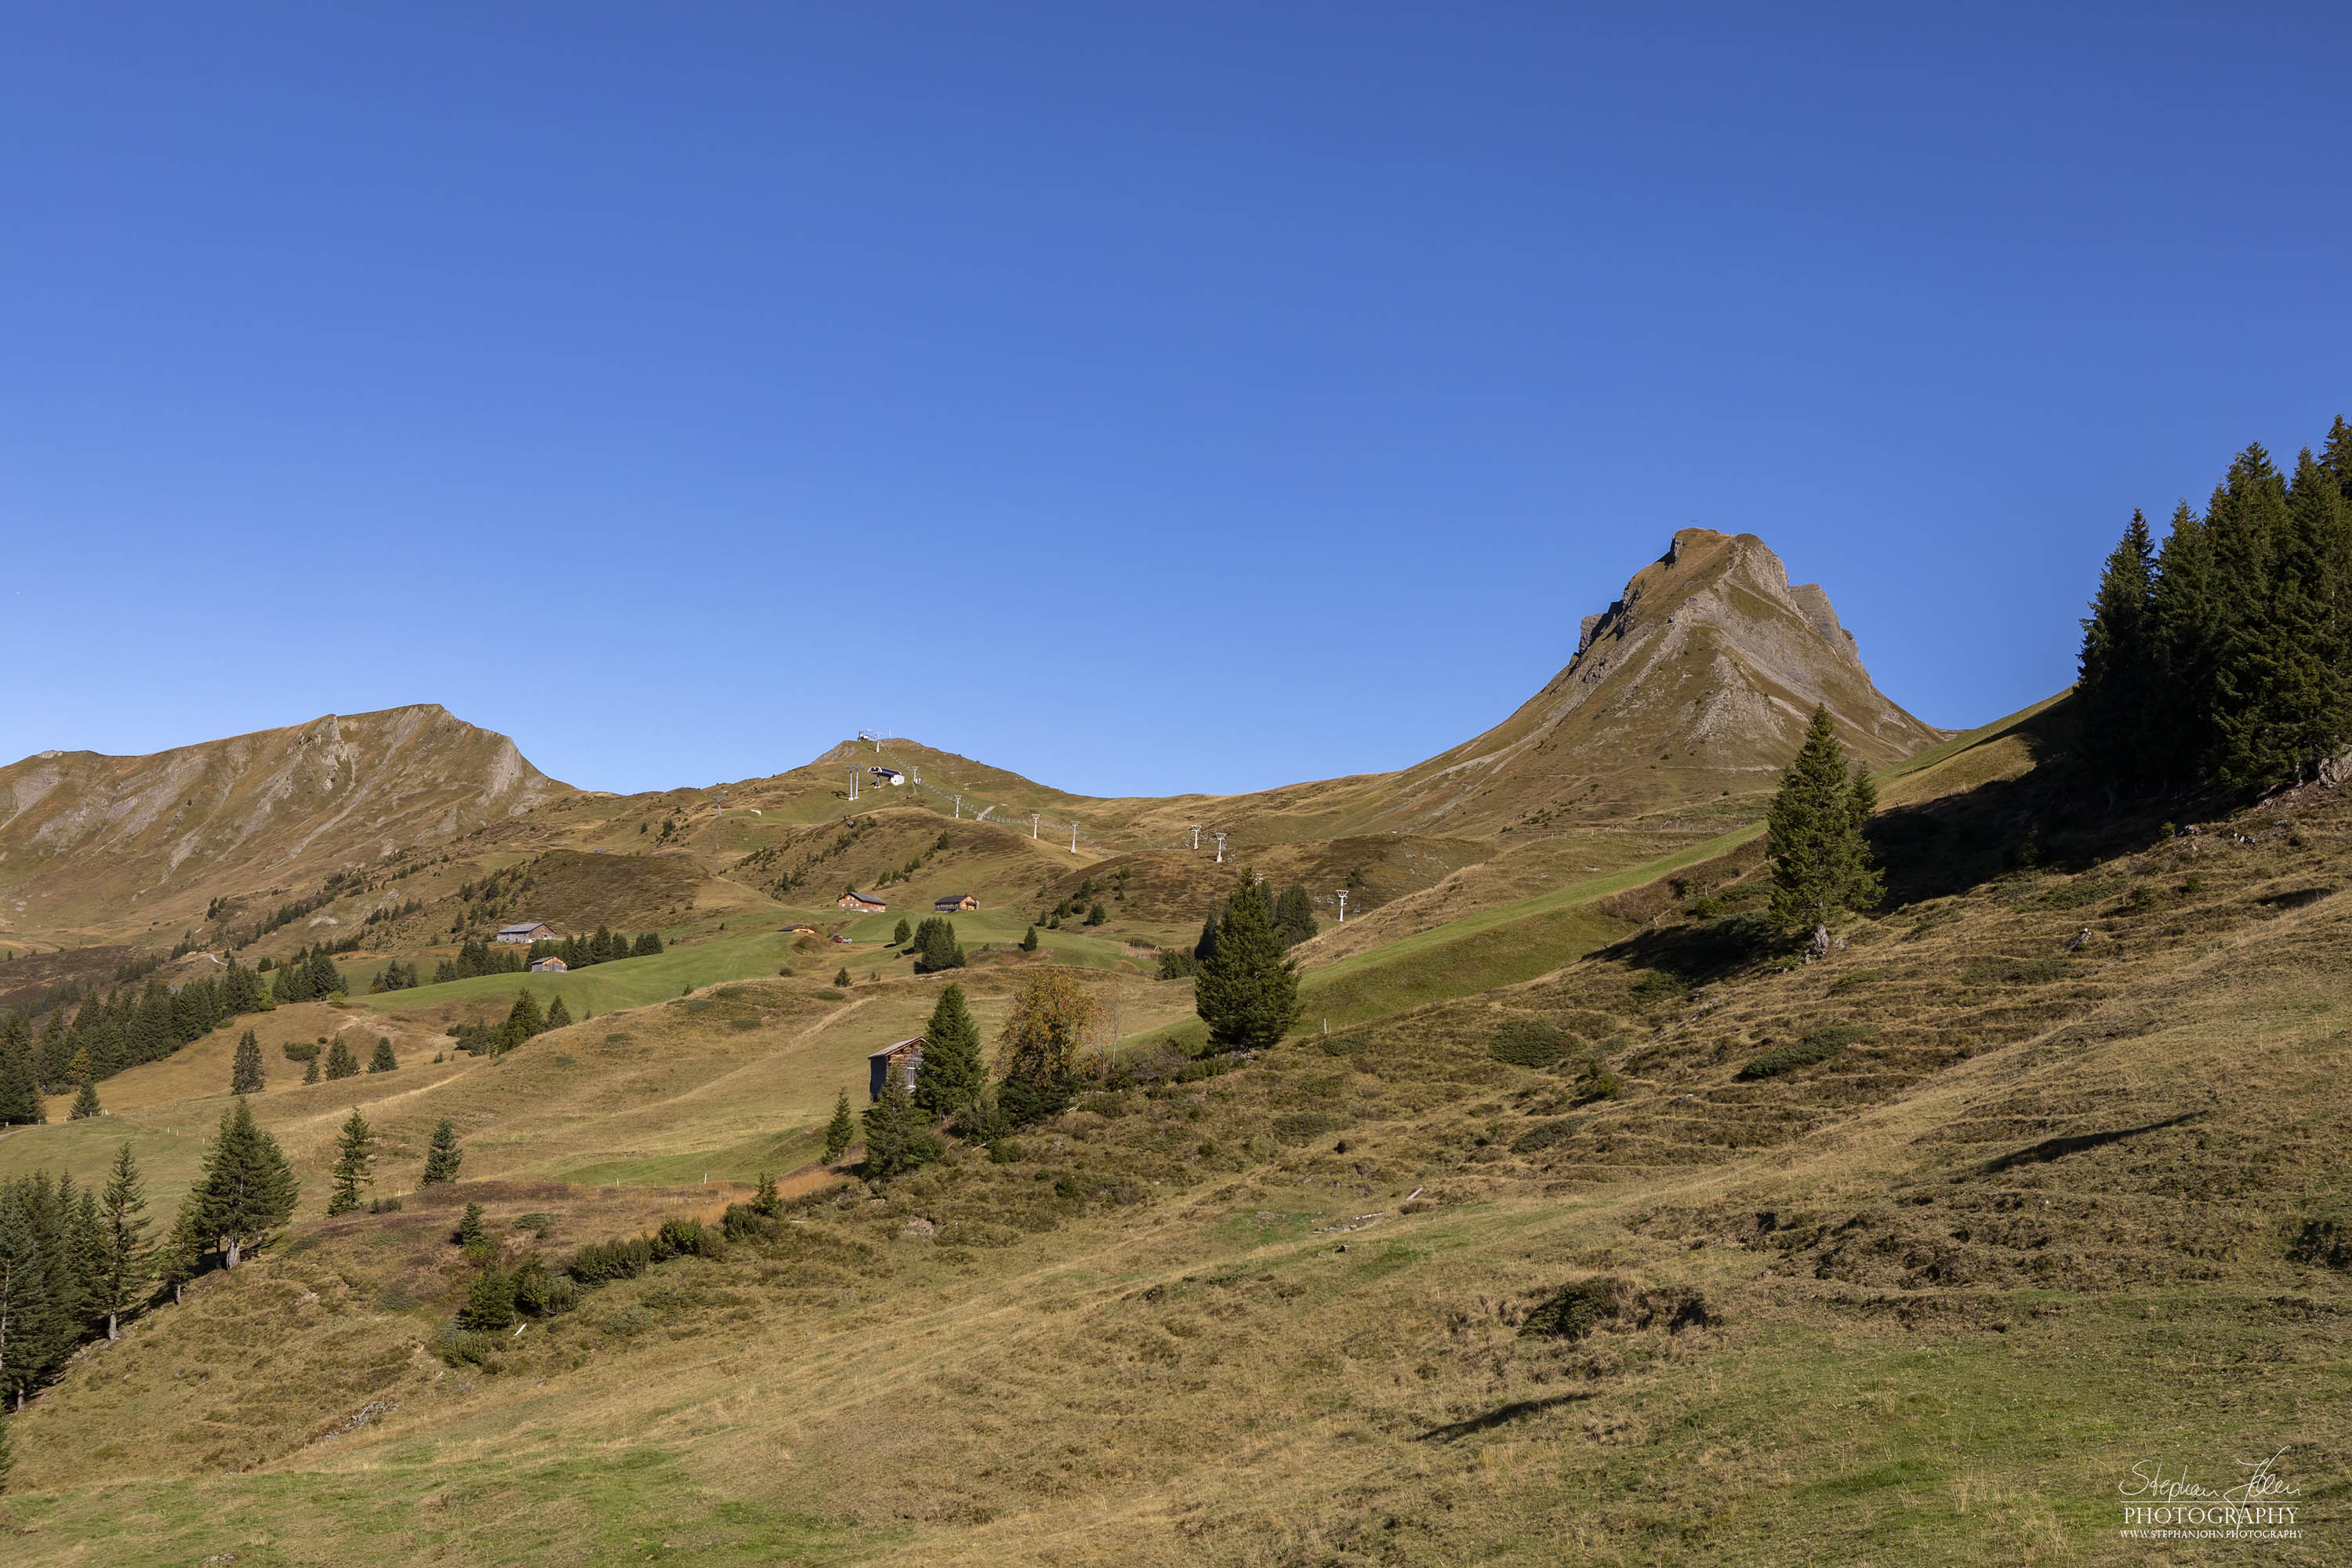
<point>86,836</point>
<point>1697,682</point>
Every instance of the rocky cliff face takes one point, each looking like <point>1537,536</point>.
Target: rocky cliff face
<point>1697,682</point>
<point>86,837</point>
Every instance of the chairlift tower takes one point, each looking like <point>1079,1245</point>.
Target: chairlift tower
<point>1220,846</point>
<point>1343,906</point>
<point>958,809</point>
<point>1196,836</point>
<point>1073,839</point>
<point>1033,823</point>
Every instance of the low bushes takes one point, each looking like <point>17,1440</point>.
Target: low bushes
<point>1817,1046</point>
<point>1530,1043</point>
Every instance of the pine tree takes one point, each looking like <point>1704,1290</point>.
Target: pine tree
<point>899,937</point>
<point>86,1252</point>
<point>85,1105</point>
<point>2184,629</point>
<point>1813,833</point>
<point>248,1189</point>
<point>953,1069</point>
<point>340,1062</point>
<point>523,1022</point>
<point>355,1164</point>
<point>896,1140</point>
<point>1247,991</point>
<point>123,1273</point>
<point>2115,685</point>
<point>245,1074</point>
<point>650,942</point>
<point>470,1232</point>
<point>841,977</point>
<point>184,1245</point>
<point>559,1016</point>
<point>29,1313</point>
<point>1206,948</point>
<point>311,1070</point>
<point>765,1199</point>
<point>1029,939</point>
<point>443,1156</point>
<point>20,1087</point>
<point>840,1131</point>
<point>1293,915</point>
<point>936,947</point>
<point>384,1061</point>
<point>490,1302</point>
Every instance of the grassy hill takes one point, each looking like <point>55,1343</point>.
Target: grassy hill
<point>1862,1259</point>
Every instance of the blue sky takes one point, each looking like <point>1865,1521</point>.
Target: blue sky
<point>1147,399</point>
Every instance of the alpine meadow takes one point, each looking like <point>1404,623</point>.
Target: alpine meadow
<point>1585,867</point>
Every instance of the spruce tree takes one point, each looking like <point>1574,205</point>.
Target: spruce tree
<point>85,1103</point>
<point>86,1251</point>
<point>899,937</point>
<point>953,1069</point>
<point>1029,939</point>
<point>524,1021</point>
<point>470,1232</point>
<point>248,1189</point>
<point>936,947</point>
<point>1813,834</point>
<point>896,1140</point>
<point>765,1200</point>
<point>841,977</point>
<point>340,1062</point>
<point>2184,629</point>
<point>1206,948</point>
<point>442,1156</point>
<point>1293,915</point>
<point>842,1132</point>
<point>1247,991</point>
<point>245,1074</point>
<point>126,1266</point>
<point>2114,687</point>
<point>355,1164</point>
<point>559,1016</point>
<point>184,1245</point>
<point>29,1313</point>
<point>384,1061</point>
<point>311,1070</point>
<point>20,1086</point>
<point>489,1302</point>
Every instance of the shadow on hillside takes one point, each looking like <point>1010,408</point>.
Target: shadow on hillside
<point>2050,1149</point>
<point>1501,1415</point>
<point>2057,816</point>
<point>1696,954</point>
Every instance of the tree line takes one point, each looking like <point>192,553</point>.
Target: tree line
<point>107,1034</point>
<point>2222,657</point>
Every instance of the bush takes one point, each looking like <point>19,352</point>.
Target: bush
<point>686,1238</point>
<point>1597,1082</point>
<point>383,1205</point>
<point>1818,1046</point>
<point>1656,988</point>
<point>602,1262</point>
<point>295,1052</point>
<point>1528,1043</point>
<point>1544,1134</point>
<point>1576,1310</point>
<point>2013,972</point>
<point>1178,963</point>
<point>1305,1126</point>
<point>490,1302</point>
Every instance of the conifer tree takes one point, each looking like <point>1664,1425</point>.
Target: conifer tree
<point>86,1251</point>
<point>523,1022</point>
<point>20,1087</point>
<point>936,947</point>
<point>29,1314</point>
<point>489,1302</point>
<point>245,1074</point>
<point>184,1245</point>
<point>896,1140</point>
<point>85,1105</point>
<point>470,1231</point>
<point>1293,915</point>
<point>355,1164</point>
<point>765,1200</point>
<point>384,1061</point>
<point>953,1069</point>
<point>311,1070</point>
<point>841,978</point>
<point>899,937</point>
<point>1813,833</point>
<point>1029,939</point>
<point>248,1188</point>
<point>2114,687</point>
<point>442,1156</point>
<point>125,1266</point>
<point>340,1062</point>
<point>840,1131</point>
<point>1247,990</point>
<point>559,1016</point>
<point>1206,948</point>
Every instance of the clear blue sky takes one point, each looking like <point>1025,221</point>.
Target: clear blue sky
<point>1148,399</point>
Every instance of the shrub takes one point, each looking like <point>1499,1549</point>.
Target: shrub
<point>2013,972</point>
<point>1576,1310</point>
<point>490,1302</point>
<point>1597,1082</point>
<point>383,1205</point>
<point>295,1052</point>
<point>1544,1134</point>
<point>1530,1043</point>
<point>1817,1046</point>
<point>1305,1126</point>
<point>686,1238</point>
<point>1656,988</point>
<point>1345,1045</point>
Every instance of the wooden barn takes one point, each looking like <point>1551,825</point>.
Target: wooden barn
<point>528,932</point>
<point>550,965</point>
<point>906,1058</point>
<point>861,903</point>
<point>955,903</point>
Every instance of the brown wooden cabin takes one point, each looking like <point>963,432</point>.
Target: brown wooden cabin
<point>907,1056</point>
